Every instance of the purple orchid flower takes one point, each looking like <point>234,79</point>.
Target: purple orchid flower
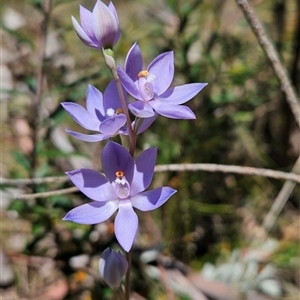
<point>151,87</point>
<point>103,114</point>
<point>122,189</point>
<point>100,28</point>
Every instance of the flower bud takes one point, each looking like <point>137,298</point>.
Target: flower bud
<point>100,28</point>
<point>112,267</point>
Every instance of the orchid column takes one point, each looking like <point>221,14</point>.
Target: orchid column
<point>123,187</point>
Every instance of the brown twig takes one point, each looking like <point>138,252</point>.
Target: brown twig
<point>46,194</point>
<point>280,71</point>
<point>280,200</point>
<point>175,167</point>
<point>159,168</point>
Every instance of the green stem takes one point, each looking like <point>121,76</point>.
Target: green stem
<point>108,55</point>
<point>132,134</point>
<point>127,278</point>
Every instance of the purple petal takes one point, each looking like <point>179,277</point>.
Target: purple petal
<point>181,94</point>
<point>144,123</point>
<point>134,62</point>
<point>94,102</point>
<point>126,224</point>
<point>93,184</point>
<point>113,10</point>
<point>104,24</point>
<point>111,97</point>
<point>162,68</point>
<point>112,267</point>
<point>129,84</point>
<point>86,23</point>
<point>112,125</point>
<point>92,213</point>
<point>81,116</point>
<point>115,157</point>
<point>82,35</point>
<point>141,109</point>
<point>152,199</point>
<point>172,111</point>
<point>88,137</point>
<point>143,171</point>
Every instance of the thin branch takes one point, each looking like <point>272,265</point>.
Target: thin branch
<point>229,169</point>
<point>280,71</point>
<point>46,194</point>
<point>174,167</point>
<point>280,200</point>
<point>31,181</point>
<point>159,168</point>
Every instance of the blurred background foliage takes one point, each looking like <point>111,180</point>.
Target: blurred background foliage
<point>242,119</point>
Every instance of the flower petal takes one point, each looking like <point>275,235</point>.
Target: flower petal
<point>129,84</point>
<point>115,157</point>
<point>81,116</point>
<point>112,125</point>
<point>181,94</point>
<point>144,123</point>
<point>94,102</point>
<point>90,138</point>
<point>104,24</point>
<point>172,111</point>
<point>162,70</point>
<point>86,23</point>
<point>111,97</point>
<point>113,10</point>
<point>134,62</point>
<point>82,35</point>
<point>141,109</point>
<point>153,199</point>
<point>93,184</point>
<point>143,171</point>
<point>126,224</point>
<point>92,213</point>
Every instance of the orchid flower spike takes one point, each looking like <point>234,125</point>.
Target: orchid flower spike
<point>150,87</point>
<point>100,28</point>
<point>112,267</point>
<point>122,188</point>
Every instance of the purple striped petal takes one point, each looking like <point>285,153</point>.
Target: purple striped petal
<point>115,157</point>
<point>81,116</point>
<point>181,94</point>
<point>92,213</point>
<point>172,111</point>
<point>126,224</point>
<point>143,170</point>
<point>162,69</point>
<point>153,199</point>
<point>93,184</point>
